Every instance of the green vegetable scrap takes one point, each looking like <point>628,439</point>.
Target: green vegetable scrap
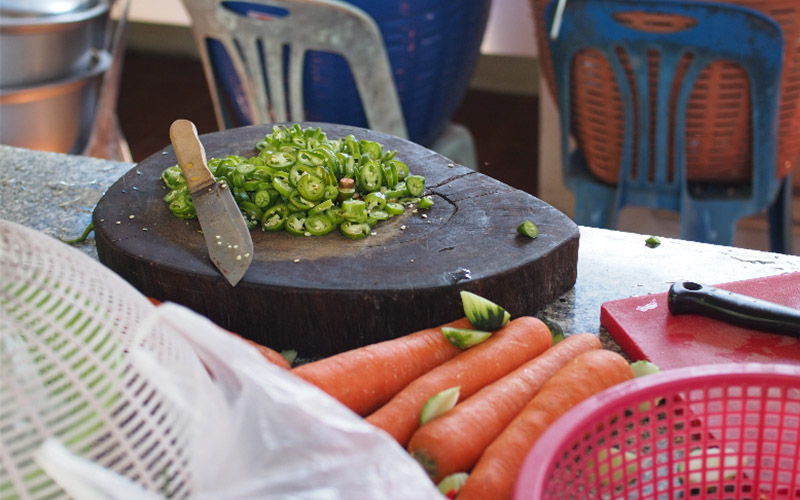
<point>464,337</point>
<point>305,184</point>
<point>452,484</point>
<point>652,242</point>
<point>439,404</point>
<point>555,329</point>
<point>482,313</point>
<point>528,228</point>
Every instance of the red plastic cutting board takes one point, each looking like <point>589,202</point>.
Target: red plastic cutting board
<point>645,329</point>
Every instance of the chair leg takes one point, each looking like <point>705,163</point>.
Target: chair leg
<point>779,215</point>
<point>708,223</point>
<point>594,204</point>
<point>595,201</point>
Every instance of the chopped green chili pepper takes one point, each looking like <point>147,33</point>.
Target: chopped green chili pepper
<point>296,223</point>
<point>309,158</point>
<point>528,228</point>
<point>402,169</point>
<point>82,237</point>
<point>299,201</point>
<point>399,190</point>
<point>300,175</point>
<point>375,200</point>
<point>280,182</point>
<point>321,207</point>
<point>311,187</point>
<point>652,242</point>
<point>415,184</point>
<point>394,208</point>
<point>371,149</point>
<point>370,176</point>
<point>354,210</point>
<point>355,230</point>
<point>335,215</point>
<point>281,159</point>
<point>262,198</point>
<point>274,218</point>
<point>378,214</point>
<point>318,224</point>
<point>425,202</point>
<point>172,177</point>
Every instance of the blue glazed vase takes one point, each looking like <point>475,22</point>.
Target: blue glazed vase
<point>433,47</point>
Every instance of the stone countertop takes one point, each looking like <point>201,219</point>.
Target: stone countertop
<point>56,194</point>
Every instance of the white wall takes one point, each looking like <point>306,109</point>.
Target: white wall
<point>509,32</point>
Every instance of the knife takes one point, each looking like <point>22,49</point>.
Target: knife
<point>230,246</point>
<point>688,297</point>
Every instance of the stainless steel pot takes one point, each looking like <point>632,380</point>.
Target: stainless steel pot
<point>55,116</point>
<point>39,45</point>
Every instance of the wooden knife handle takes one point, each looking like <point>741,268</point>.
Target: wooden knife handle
<point>191,155</point>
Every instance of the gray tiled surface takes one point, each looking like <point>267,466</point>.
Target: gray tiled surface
<point>56,193</point>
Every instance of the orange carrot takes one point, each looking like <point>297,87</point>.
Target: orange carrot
<point>454,441</point>
<point>517,342</point>
<point>271,355</point>
<point>363,379</point>
<point>495,473</point>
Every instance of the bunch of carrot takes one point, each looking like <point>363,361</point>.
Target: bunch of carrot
<point>511,387</point>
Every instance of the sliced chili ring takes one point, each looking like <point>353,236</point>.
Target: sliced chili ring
<point>371,149</point>
<point>251,211</point>
<point>299,171</point>
<point>352,145</point>
<point>318,224</point>
<point>415,184</point>
<point>394,208</point>
<point>375,200</point>
<point>399,190</point>
<point>311,187</point>
<point>390,177</point>
<point>281,159</point>
<point>310,158</point>
<point>280,181</point>
<point>379,214</point>
<point>370,176</point>
<point>402,169</point>
<point>262,198</point>
<point>245,168</point>
<point>299,201</point>
<point>274,218</point>
<point>331,193</point>
<point>355,230</point>
<point>296,223</point>
<point>335,215</point>
<point>321,207</point>
<point>425,202</point>
<point>354,210</point>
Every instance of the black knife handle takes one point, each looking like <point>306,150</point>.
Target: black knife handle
<point>687,297</point>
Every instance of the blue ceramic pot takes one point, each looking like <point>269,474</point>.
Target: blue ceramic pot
<point>433,46</point>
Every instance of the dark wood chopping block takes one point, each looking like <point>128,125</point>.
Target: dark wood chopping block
<point>323,295</point>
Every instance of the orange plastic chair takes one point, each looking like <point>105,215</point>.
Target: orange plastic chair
<point>655,69</point>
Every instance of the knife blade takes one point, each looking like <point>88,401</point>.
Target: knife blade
<point>688,297</point>
<point>230,246</point>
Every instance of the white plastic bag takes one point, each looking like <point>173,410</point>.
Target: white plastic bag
<point>227,423</point>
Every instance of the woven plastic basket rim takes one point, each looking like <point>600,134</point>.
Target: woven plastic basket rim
<point>539,460</point>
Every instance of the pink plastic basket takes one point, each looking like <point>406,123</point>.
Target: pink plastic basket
<point>726,432</point>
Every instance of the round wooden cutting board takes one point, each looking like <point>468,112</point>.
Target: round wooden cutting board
<point>323,295</point>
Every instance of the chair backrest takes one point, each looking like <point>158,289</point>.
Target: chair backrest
<point>267,45</point>
<point>664,61</point>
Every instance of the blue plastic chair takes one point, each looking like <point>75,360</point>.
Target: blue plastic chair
<point>708,213</point>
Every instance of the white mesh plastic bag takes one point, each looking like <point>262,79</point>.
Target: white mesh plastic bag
<point>105,395</point>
